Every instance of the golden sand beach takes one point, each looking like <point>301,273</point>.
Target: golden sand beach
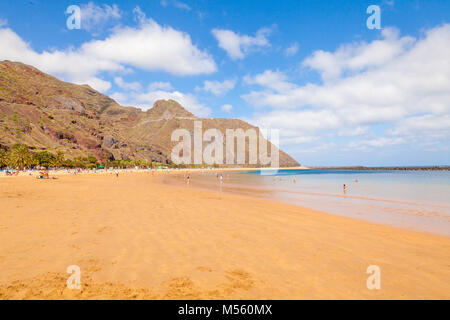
<point>136,238</point>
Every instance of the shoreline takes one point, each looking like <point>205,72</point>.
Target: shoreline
<point>404,214</point>
<point>400,168</point>
<point>167,242</point>
<point>159,171</point>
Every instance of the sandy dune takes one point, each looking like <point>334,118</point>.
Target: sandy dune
<point>135,238</point>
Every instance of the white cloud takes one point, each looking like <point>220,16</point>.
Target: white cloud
<point>275,80</point>
<point>218,88</point>
<point>425,123</point>
<point>159,85</point>
<point>145,100</point>
<point>71,65</point>
<point>149,47</point>
<point>226,108</point>
<point>153,47</point>
<point>187,100</point>
<point>121,98</point>
<point>96,83</point>
<point>238,46</point>
<point>379,142</point>
<point>353,132</point>
<point>95,17</point>
<point>176,4</point>
<point>134,86</point>
<point>398,84</point>
<point>292,49</point>
<point>139,15</point>
<point>426,129</point>
<point>299,121</point>
<point>359,56</point>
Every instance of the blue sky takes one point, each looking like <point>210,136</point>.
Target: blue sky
<point>340,93</point>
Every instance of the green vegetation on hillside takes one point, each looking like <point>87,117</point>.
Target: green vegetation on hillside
<point>20,156</point>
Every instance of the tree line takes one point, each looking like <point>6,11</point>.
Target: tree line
<point>20,156</point>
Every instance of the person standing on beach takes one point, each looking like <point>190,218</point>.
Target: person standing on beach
<point>345,188</point>
<point>117,173</point>
<point>220,182</point>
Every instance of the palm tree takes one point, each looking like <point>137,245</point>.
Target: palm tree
<point>59,159</point>
<point>3,158</point>
<point>19,156</point>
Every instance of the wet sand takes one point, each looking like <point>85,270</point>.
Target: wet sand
<point>136,238</point>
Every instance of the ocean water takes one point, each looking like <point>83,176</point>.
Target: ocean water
<point>414,200</point>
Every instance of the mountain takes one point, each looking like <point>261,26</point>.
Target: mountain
<point>45,113</point>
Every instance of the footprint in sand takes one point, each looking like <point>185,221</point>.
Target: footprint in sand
<point>239,279</point>
<point>105,228</point>
<point>181,288</point>
<point>205,269</point>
